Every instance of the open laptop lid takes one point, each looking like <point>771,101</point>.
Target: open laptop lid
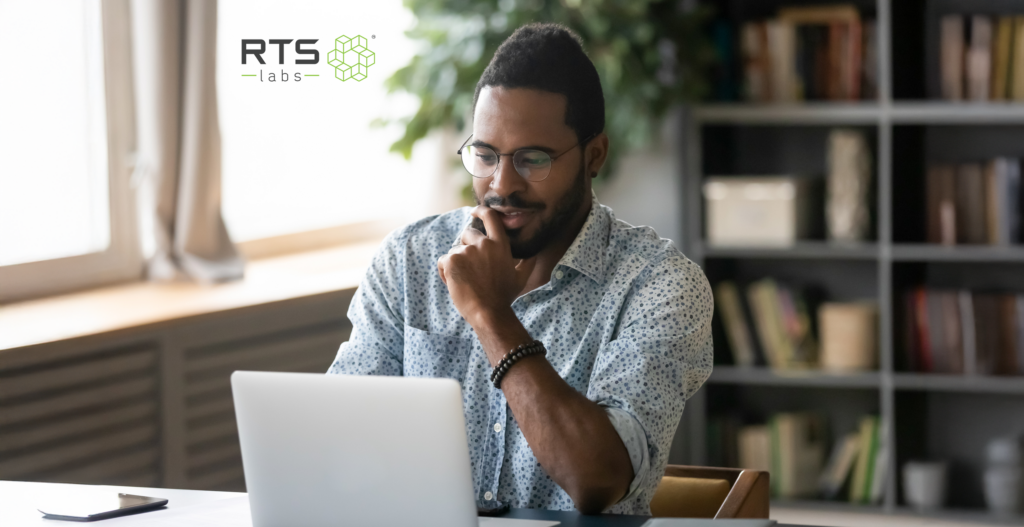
<point>355,450</point>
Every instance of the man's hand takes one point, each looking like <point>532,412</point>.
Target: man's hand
<point>482,277</point>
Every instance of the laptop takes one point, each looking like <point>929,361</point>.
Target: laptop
<point>323,450</point>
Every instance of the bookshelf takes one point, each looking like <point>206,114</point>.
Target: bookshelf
<point>926,415</point>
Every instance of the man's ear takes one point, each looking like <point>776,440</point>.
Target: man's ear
<point>596,154</point>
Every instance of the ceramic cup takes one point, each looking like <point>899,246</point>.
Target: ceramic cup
<point>1003,489</point>
<point>924,484</point>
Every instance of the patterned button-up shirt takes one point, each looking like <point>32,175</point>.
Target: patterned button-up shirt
<point>626,320</point>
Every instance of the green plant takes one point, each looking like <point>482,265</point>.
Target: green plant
<point>650,55</point>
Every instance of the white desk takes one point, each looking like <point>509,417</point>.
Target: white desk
<point>18,499</point>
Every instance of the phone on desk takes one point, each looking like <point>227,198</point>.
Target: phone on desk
<point>97,506</point>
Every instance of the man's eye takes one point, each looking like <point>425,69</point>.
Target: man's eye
<point>488,159</point>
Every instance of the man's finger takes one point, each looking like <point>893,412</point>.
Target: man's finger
<point>471,236</point>
<point>440,268</point>
<point>492,222</point>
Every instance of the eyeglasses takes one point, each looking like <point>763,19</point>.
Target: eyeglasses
<point>533,165</point>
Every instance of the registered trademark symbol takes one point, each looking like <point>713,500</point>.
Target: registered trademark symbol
<point>373,36</point>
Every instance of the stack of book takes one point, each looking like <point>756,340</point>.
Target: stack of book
<point>792,446</point>
<point>782,336</point>
<point>982,57</point>
<point>963,332</point>
<point>810,53</point>
<point>975,203</point>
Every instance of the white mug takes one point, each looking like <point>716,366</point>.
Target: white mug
<point>1003,489</point>
<point>924,484</point>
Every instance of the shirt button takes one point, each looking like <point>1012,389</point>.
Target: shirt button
<point>559,274</point>
<point>488,496</point>
<point>497,428</point>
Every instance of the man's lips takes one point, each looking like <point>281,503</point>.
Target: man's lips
<point>514,218</point>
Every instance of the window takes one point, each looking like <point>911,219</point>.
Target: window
<point>64,201</point>
<point>300,155</point>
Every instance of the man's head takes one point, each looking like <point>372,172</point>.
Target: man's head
<point>540,91</point>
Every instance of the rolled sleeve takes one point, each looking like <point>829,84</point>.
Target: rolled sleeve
<point>632,435</point>
<point>661,356</point>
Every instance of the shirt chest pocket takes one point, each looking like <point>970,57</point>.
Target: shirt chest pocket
<point>436,355</point>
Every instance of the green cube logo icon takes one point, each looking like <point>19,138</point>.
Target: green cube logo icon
<point>351,58</point>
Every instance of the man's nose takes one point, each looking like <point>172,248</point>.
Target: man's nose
<point>506,180</point>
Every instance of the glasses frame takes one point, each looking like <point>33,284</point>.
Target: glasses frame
<point>500,155</point>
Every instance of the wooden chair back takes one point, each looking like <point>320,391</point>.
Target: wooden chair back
<point>711,492</point>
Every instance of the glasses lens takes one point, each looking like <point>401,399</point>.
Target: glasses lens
<point>532,164</point>
<point>479,160</point>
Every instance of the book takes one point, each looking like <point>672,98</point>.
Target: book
<point>798,451</point>
<point>1016,83</point>
<point>1006,358</point>
<point>987,335</point>
<point>940,189</point>
<point>1002,44</point>
<point>880,468</point>
<point>1020,334</point>
<point>978,59</point>
<point>863,472</point>
<point>924,352</point>
<point>737,331</point>
<point>868,77</point>
<point>970,204</point>
<point>951,56</point>
<point>830,50</point>
<point>755,450</point>
<point>768,321</point>
<point>968,332</point>
<point>756,64</point>
<point>782,52</point>
<point>839,467</point>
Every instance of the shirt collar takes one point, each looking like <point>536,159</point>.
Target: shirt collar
<point>587,252</point>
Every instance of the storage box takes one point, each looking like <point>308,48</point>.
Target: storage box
<point>758,211</point>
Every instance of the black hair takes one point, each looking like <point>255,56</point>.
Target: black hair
<point>550,57</point>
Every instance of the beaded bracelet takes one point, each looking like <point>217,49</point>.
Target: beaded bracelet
<point>522,351</point>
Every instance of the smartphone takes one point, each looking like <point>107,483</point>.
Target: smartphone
<point>98,506</point>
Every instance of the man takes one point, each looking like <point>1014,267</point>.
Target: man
<point>585,416</point>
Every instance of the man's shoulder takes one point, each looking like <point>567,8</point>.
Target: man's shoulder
<point>631,245</point>
<point>432,234</point>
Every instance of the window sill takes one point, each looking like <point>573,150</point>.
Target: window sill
<point>141,304</point>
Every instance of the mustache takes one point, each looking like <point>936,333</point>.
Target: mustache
<point>513,201</point>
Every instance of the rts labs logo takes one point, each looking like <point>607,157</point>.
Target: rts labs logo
<point>351,58</point>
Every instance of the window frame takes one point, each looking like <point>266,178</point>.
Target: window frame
<point>122,260</point>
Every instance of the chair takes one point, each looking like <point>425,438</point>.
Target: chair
<point>710,492</point>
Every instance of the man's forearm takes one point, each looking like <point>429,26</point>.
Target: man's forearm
<point>570,435</point>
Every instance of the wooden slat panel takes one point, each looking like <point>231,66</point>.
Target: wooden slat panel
<point>75,427</point>
<point>199,391</point>
<point>23,467</point>
<point>15,384</point>
<point>216,479</point>
<point>233,356</point>
<point>211,432</point>
<point>215,456</point>
<point>141,388</point>
<point>109,468</point>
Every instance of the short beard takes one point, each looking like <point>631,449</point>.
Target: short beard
<point>548,230</point>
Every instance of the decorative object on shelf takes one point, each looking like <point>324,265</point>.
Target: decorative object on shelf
<point>924,484</point>
<point>847,213</point>
<point>771,211</point>
<point>848,333</point>
<point>1004,476</point>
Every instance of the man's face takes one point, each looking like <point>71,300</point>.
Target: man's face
<point>533,212</point>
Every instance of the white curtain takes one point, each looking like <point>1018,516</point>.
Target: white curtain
<point>178,163</point>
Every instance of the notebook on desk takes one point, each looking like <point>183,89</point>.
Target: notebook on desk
<point>387,451</point>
